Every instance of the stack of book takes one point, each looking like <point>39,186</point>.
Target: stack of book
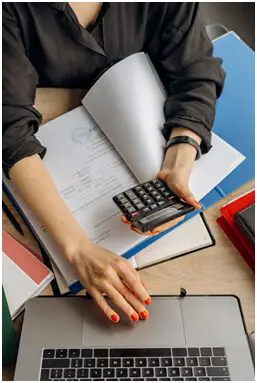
<point>237,221</point>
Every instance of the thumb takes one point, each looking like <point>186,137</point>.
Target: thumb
<point>184,193</point>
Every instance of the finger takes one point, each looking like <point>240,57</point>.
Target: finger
<point>130,298</point>
<point>103,305</point>
<point>117,298</point>
<point>184,193</point>
<point>124,220</point>
<point>131,278</point>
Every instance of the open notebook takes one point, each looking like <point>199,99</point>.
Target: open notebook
<point>109,144</point>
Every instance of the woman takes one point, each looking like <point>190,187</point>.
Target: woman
<point>69,45</point>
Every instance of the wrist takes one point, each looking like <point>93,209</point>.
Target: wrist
<point>179,156</point>
<point>176,132</point>
<point>72,246</point>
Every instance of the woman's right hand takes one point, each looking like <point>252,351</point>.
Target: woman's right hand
<point>103,272</point>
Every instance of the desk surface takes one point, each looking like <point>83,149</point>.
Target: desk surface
<point>216,270</point>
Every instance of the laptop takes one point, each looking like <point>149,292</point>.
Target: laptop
<point>185,338</point>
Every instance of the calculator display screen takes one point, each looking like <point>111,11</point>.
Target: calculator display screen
<point>161,213</point>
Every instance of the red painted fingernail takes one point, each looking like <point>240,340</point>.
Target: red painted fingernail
<point>148,301</point>
<point>134,317</point>
<point>144,315</point>
<point>198,204</point>
<point>114,318</point>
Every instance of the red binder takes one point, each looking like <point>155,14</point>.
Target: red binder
<point>226,222</point>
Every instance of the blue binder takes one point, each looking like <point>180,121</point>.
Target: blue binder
<point>234,121</point>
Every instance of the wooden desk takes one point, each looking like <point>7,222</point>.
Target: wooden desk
<point>216,270</point>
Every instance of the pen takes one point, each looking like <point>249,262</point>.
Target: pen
<point>12,219</point>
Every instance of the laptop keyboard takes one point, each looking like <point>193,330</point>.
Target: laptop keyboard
<point>137,364</point>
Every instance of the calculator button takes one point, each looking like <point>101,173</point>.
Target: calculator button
<point>146,210</point>
<point>135,200</point>
<point>171,197</point>
<point>120,196</point>
<point>131,209</point>
<point>149,201</point>
<point>127,204</point>
<point>158,198</point>
<point>147,184</point>
<point>140,205</point>
<point>138,188</point>
<point>145,197</point>
<point>141,192</point>
<point>130,194</point>
<point>134,214</point>
<point>162,189</point>
<point>150,188</point>
<point>160,203</point>
<point>166,193</point>
<point>153,206</point>
<point>123,200</point>
<point>154,193</point>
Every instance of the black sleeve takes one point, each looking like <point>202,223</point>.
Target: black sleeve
<point>20,119</point>
<point>192,76</point>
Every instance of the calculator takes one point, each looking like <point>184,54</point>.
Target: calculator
<point>150,205</point>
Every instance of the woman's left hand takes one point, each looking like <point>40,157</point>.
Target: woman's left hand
<point>176,169</point>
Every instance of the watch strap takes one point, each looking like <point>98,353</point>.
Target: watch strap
<point>184,140</point>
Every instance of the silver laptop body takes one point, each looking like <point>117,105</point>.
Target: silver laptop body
<point>175,323</point>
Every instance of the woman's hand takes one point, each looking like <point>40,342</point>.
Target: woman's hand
<point>176,169</point>
<point>103,272</point>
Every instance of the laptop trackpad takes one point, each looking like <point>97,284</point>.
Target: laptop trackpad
<point>164,327</point>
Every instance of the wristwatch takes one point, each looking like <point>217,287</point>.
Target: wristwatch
<point>184,140</point>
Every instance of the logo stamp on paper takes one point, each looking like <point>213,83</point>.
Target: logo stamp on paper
<point>84,135</point>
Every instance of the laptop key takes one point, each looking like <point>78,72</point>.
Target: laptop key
<point>147,372</point>
<point>121,372</point>
<point>89,363</point>
<point>166,362</point>
<point>206,351</point>
<point>199,371</point>
<point>128,362</point>
<point>179,352</point>
<point>191,362</point>
<point>134,372</point>
<point>109,372</point>
<point>153,362</point>
<point>44,375</point>
<point>95,373</point>
<point>220,378</point>
<point>61,353</point>
<point>100,353</point>
<point>219,351</point>
<point>139,352</point>
<point>56,373</point>
<point>193,351</point>
<point>82,373</point>
<point>115,362</point>
<point>186,371</point>
<point>86,353</point>
<point>173,372</point>
<point>204,378</point>
<point>102,362</point>
<point>205,361</point>
<point>179,362</point>
<point>219,361</point>
<point>55,363</point>
<point>141,362</point>
<point>77,363</point>
<point>217,371</point>
<point>69,373</point>
<point>161,372</point>
<point>74,353</point>
<point>48,353</point>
